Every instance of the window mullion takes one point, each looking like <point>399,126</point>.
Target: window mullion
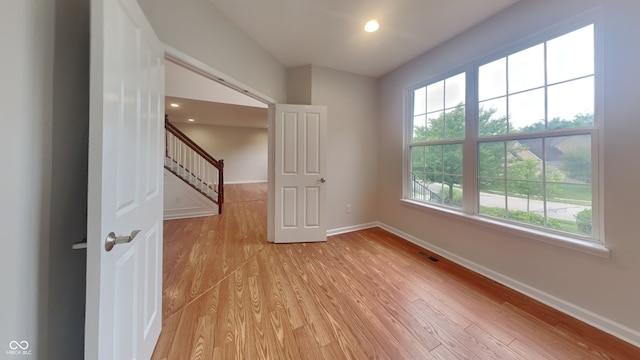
<point>470,145</point>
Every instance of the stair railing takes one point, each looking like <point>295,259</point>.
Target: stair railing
<point>422,192</point>
<point>194,165</point>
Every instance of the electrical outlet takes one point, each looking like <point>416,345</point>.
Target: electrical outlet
<point>349,209</point>
<point>177,200</point>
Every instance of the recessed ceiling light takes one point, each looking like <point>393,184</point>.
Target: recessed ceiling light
<point>190,120</point>
<point>371,26</point>
<point>174,105</point>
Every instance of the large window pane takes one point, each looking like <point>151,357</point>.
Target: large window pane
<point>569,208</point>
<point>568,159</point>
<point>435,96</point>
<point>418,162</point>
<point>452,190</point>
<point>568,179</point>
<point>433,158</point>
<point>455,91</point>
<point>493,117</point>
<point>452,159</point>
<point>571,104</point>
<point>573,158</point>
<point>571,55</point>
<point>524,163</point>
<point>420,101</point>
<point>526,111</point>
<point>525,202</point>
<point>454,123</point>
<point>420,128</point>
<point>492,198</point>
<point>491,161</point>
<point>526,69</point>
<point>437,174</point>
<point>435,126</point>
<point>492,79</point>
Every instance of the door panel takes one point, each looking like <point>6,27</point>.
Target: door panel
<point>312,204</point>
<point>124,285</point>
<point>299,171</point>
<point>312,144</point>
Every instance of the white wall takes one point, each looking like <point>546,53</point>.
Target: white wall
<point>27,29</point>
<point>44,120</point>
<point>199,29</point>
<point>351,145</point>
<point>602,291</point>
<point>243,149</point>
<point>183,201</point>
<point>299,85</point>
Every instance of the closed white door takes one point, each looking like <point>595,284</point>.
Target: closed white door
<point>299,182</point>
<point>126,141</point>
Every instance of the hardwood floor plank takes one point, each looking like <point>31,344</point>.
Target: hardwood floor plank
<point>283,334</point>
<point>542,337</point>
<point>225,351</point>
<point>602,345</point>
<point>229,294</point>
<point>494,348</point>
<point>526,352</point>
<point>307,344</point>
<point>290,303</point>
<point>334,352</point>
<point>273,294</point>
<point>314,319</point>
<point>167,337</point>
<point>225,323</point>
<point>442,353</point>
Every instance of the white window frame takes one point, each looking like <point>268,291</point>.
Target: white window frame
<point>595,244</point>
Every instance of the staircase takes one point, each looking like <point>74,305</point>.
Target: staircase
<point>421,191</point>
<point>188,161</point>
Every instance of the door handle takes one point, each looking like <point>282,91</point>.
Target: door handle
<point>113,240</point>
<point>323,180</point>
<point>80,245</point>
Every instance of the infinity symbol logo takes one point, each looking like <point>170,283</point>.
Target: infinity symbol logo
<point>23,345</point>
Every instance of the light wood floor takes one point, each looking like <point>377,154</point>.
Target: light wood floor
<point>229,294</point>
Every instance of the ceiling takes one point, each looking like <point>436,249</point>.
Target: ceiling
<point>327,33</point>
<point>215,113</point>
<point>330,33</point>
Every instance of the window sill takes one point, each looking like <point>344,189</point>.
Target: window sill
<point>548,238</point>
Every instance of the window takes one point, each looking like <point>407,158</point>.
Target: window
<point>533,140</point>
<point>438,132</point>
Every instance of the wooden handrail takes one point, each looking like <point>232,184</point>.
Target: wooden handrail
<point>218,164</point>
<point>184,138</point>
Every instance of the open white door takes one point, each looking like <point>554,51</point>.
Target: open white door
<point>126,140</point>
<point>297,197</point>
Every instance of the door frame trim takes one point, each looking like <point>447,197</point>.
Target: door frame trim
<point>189,62</point>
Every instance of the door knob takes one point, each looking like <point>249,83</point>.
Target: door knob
<point>323,180</point>
<point>113,240</point>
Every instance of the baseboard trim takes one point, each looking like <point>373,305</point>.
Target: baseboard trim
<point>245,182</point>
<point>352,228</point>
<point>618,330</point>
<point>187,215</point>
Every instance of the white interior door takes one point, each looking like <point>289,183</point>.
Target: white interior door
<point>299,174</point>
<point>126,140</point>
